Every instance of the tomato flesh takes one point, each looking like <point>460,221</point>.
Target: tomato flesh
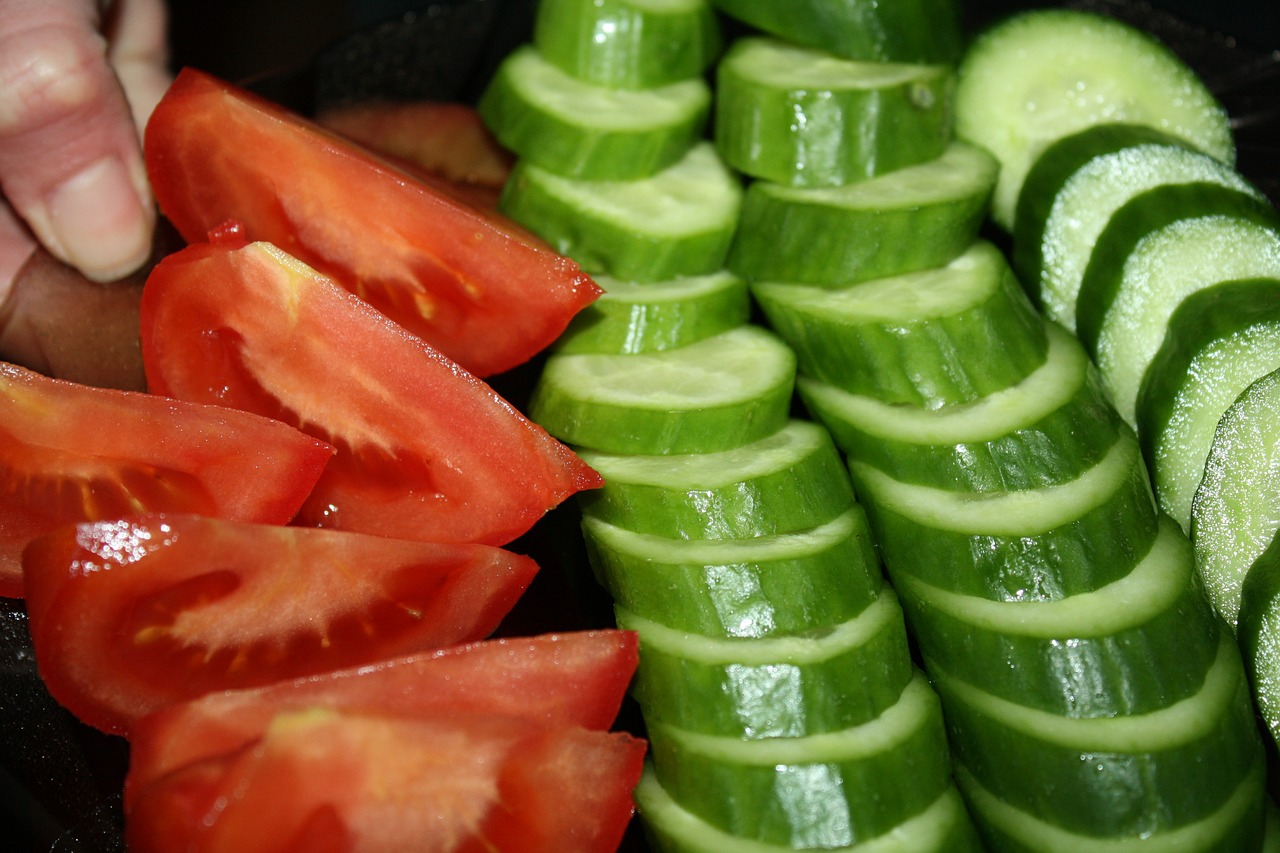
<point>71,452</point>
<point>472,284</point>
<point>425,450</point>
<point>128,616</point>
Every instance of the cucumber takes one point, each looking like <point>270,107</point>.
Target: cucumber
<point>1040,75</point>
<point>1257,630</point>
<point>679,222</point>
<point>628,44</point>
<point>911,219</point>
<point>1236,513</point>
<point>632,317</point>
<point>901,31</point>
<point>582,130</point>
<point>895,338</point>
<point>719,393</point>
<point>805,118</point>
<point>1219,340</point>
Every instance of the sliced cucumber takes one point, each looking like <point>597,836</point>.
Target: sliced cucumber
<point>628,44</point>
<point>716,394</point>
<point>901,31</point>
<point>583,130</point>
<point>1236,511</point>
<point>1258,630</point>
<point>896,338</point>
<point>680,222</point>
<point>1043,74</point>
<point>632,317</point>
<point>766,586</point>
<point>806,118</point>
<point>795,472</point>
<point>910,219</point>
<point>1219,341</point>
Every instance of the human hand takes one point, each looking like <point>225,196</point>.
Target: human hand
<point>78,79</point>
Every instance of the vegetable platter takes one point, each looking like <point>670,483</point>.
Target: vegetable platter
<point>62,780</point>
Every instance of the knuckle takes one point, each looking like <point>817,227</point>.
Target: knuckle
<point>46,75</point>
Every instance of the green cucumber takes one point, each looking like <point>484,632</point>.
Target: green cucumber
<point>716,394</point>
<point>628,44</point>
<point>901,31</point>
<point>1235,514</point>
<point>631,317</point>
<point>679,222</point>
<point>1045,430</point>
<point>911,219</point>
<point>1037,76</point>
<point>582,130</point>
<point>757,789</point>
<point>1219,340</point>
<point>766,586</point>
<point>789,481</point>
<point>1258,631</point>
<point>895,338</point>
<point>806,118</point>
<point>776,687</point>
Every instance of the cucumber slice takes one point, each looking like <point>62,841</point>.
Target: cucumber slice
<point>1258,630</point>
<point>679,222</point>
<point>1219,341</point>
<point>631,317</point>
<point>1055,252</point>
<point>943,826</point>
<point>806,118</point>
<point>628,44</point>
<point>796,472</point>
<point>1236,511</point>
<point>1043,74</point>
<point>776,687</point>
<point>896,338</point>
<point>901,31</point>
<point>756,789</point>
<point>1166,266</point>
<point>766,586</point>
<point>1045,430</point>
<point>716,394</point>
<point>583,130</point>
<point>910,219</point>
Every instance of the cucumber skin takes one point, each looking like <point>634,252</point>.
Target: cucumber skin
<point>827,137</point>
<point>644,49</point>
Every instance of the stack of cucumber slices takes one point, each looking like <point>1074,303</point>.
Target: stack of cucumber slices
<point>886,533</point>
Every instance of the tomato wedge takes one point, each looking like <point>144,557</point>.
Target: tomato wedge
<point>129,615</point>
<point>71,452</point>
<point>576,678</point>
<point>425,450</point>
<point>478,288</point>
<point>326,781</point>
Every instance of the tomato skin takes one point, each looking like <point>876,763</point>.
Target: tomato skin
<point>338,781</point>
<point>127,616</point>
<point>425,450</point>
<point>475,286</point>
<point>576,678</point>
<point>71,452</point>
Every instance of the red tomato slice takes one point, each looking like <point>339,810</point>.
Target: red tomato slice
<point>478,288</point>
<point>71,452</point>
<point>127,616</point>
<point>425,450</point>
<point>324,782</point>
<point>577,678</point>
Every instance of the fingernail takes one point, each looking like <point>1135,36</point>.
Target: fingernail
<point>97,222</point>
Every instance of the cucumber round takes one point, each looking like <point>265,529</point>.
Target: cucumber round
<point>806,118</point>
<point>1258,630</point>
<point>896,339</point>
<point>631,317</point>
<point>679,222</point>
<point>583,130</point>
<point>1043,74</point>
<point>911,219</point>
<point>719,393</point>
<point>628,44</point>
